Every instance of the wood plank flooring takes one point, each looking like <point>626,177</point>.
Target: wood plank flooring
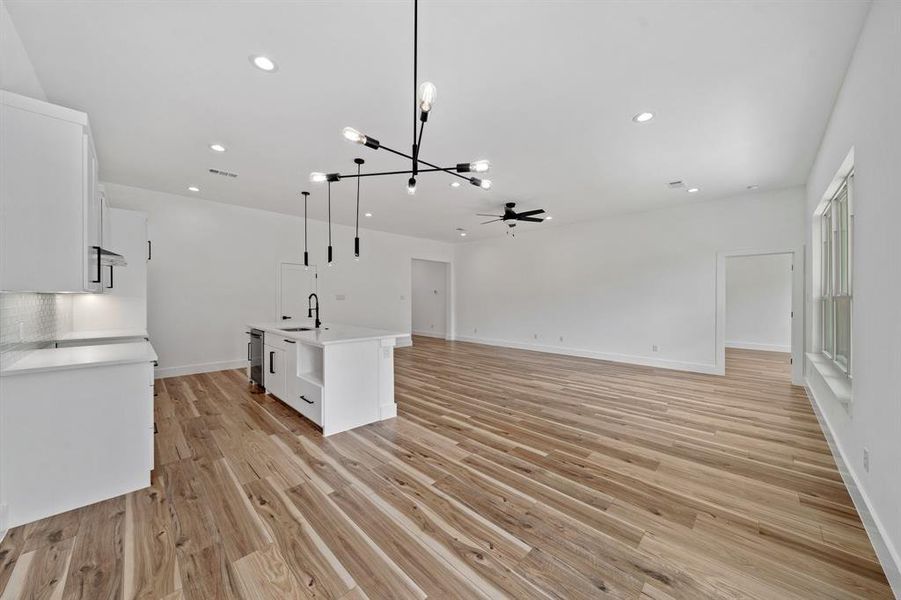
<point>506,474</point>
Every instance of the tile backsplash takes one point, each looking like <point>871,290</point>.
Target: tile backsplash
<point>30,321</point>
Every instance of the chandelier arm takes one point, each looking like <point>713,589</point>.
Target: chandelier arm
<point>451,170</point>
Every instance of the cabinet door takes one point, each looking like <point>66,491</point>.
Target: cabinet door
<point>93,221</point>
<point>42,245</point>
<point>274,375</point>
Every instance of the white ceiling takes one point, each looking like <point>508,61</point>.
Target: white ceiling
<point>546,90</point>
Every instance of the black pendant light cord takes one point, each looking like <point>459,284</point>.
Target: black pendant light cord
<point>329,213</point>
<point>415,67</point>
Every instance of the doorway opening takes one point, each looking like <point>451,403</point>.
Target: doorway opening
<point>294,284</point>
<point>760,311</point>
<point>430,282</point>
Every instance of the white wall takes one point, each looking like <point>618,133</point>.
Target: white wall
<point>759,302</point>
<point>613,289</point>
<point>429,295</point>
<point>16,71</point>
<point>866,117</point>
<point>214,269</point>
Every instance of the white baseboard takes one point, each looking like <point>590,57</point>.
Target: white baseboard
<point>403,342</point>
<point>646,361</point>
<point>756,346</point>
<point>888,555</point>
<point>433,334</point>
<point>224,365</point>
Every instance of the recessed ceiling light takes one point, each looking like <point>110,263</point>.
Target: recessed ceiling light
<point>368,215</point>
<point>462,234</point>
<point>217,147</point>
<point>693,190</point>
<point>193,188</point>
<point>455,184</point>
<point>548,218</point>
<point>264,63</point>
<point>643,117</point>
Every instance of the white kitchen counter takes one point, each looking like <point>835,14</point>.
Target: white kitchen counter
<point>329,333</point>
<point>76,357</point>
<point>102,334</point>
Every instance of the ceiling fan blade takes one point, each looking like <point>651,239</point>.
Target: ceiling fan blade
<point>484,215</point>
<point>529,213</point>
<point>491,221</point>
<point>530,219</point>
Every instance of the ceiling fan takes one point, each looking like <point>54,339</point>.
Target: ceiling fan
<point>510,216</point>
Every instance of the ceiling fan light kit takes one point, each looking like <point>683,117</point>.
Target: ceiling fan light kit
<point>425,96</point>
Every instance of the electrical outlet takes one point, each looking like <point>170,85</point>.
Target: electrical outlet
<point>866,460</point>
<point>340,296</point>
<point>655,348</point>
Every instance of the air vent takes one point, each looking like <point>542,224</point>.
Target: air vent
<point>223,173</point>
<point>675,185</point>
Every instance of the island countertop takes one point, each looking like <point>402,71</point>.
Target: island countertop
<point>329,333</point>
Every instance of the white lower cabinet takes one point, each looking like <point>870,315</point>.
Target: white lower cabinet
<point>274,369</point>
<point>69,438</point>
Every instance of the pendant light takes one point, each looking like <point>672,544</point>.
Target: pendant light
<point>329,223</point>
<point>306,255</point>
<point>359,162</point>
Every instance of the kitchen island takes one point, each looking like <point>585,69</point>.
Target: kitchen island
<point>338,376</point>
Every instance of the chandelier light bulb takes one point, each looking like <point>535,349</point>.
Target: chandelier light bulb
<point>428,93</point>
<point>480,166</point>
<point>485,184</point>
<point>352,135</point>
<point>411,186</point>
<point>317,177</point>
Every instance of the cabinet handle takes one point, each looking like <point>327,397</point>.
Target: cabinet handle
<point>304,398</point>
<point>99,266</point>
<point>285,317</point>
<point>272,362</point>
<point>248,350</point>
<point>110,286</point>
<point>290,341</point>
<point>149,250</point>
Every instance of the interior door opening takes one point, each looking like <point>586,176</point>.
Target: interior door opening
<point>295,283</point>
<point>429,298</point>
<point>758,311</point>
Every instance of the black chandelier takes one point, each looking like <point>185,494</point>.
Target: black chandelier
<point>423,98</point>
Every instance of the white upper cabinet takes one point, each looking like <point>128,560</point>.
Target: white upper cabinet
<point>50,208</point>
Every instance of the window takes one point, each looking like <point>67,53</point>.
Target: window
<point>836,229</point>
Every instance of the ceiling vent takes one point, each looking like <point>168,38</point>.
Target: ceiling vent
<point>223,173</point>
<point>675,185</point>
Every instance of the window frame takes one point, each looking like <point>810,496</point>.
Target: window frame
<point>836,226</point>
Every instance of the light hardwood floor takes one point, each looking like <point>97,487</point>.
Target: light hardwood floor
<point>507,474</point>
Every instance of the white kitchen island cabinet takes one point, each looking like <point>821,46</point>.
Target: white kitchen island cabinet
<point>76,427</point>
<point>338,376</point>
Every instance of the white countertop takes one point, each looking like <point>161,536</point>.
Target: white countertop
<point>102,334</point>
<point>330,333</point>
<point>77,357</point>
